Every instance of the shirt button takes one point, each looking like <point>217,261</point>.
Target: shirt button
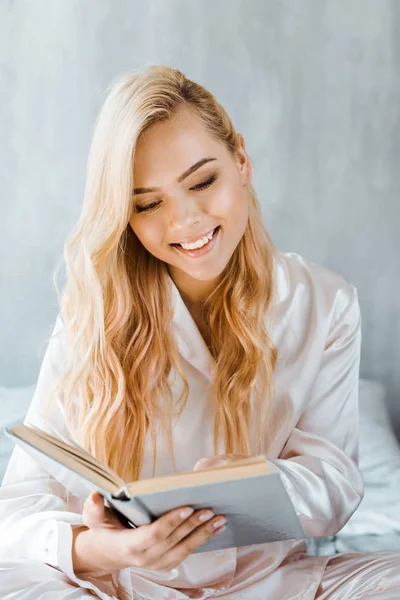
<point>169,596</point>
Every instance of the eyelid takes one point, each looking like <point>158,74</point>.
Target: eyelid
<point>204,183</point>
<point>146,209</point>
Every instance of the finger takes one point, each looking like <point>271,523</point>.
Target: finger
<point>202,518</point>
<point>198,537</point>
<point>203,463</point>
<point>95,514</point>
<point>93,510</point>
<point>147,536</point>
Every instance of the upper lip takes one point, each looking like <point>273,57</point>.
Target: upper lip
<point>195,238</point>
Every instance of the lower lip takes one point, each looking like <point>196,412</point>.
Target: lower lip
<point>204,249</point>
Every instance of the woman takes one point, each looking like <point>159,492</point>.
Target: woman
<point>185,339</point>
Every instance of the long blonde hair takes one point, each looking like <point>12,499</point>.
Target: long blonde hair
<point>120,347</point>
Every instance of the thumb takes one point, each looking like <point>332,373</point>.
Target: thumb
<point>96,515</point>
<point>93,510</point>
<point>204,463</point>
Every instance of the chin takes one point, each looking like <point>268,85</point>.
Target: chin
<point>205,274</point>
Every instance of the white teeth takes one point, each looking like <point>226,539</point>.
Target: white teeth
<point>199,243</point>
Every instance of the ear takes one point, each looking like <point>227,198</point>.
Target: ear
<point>245,166</point>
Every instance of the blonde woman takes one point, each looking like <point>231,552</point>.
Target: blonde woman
<point>186,339</point>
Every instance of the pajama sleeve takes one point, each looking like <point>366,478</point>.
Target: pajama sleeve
<point>37,508</point>
<point>319,462</point>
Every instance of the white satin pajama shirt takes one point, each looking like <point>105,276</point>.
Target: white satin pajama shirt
<point>313,443</point>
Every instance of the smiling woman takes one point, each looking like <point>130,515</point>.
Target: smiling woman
<point>182,196</point>
<point>184,336</point>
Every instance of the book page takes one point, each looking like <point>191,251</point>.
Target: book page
<point>247,467</point>
<point>72,457</point>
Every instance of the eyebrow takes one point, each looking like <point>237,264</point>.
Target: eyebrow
<point>188,172</point>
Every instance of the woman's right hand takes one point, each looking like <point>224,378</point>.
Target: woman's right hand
<point>104,544</point>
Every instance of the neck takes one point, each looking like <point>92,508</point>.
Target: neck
<point>194,292</point>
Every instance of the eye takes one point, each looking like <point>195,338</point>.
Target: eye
<point>148,207</point>
<point>200,186</point>
<point>204,184</point>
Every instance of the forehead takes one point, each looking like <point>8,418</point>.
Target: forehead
<point>167,148</point>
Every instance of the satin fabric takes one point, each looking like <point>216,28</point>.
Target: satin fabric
<point>354,575</point>
<point>312,441</point>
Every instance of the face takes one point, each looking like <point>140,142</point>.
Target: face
<point>200,188</point>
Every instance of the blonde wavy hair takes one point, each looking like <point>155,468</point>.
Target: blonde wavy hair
<point>120,348</point>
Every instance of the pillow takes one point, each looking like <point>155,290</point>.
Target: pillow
<point>379,510</point>
<point>14,403</point>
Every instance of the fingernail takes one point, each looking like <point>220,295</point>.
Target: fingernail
<point>206,516</point>
<point>218,523</point>
<point>184,514</point>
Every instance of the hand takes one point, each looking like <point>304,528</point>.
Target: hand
<point>104,544</point>
<point>217,461</point>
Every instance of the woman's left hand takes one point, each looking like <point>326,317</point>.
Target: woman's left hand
<point>217,461</point>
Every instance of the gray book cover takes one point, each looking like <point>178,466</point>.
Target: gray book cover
<point>258,509</point>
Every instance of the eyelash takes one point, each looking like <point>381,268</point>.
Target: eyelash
<point>200,186</point>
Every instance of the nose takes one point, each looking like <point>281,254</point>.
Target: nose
<point>183,212</point>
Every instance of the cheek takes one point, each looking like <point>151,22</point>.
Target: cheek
<point>148,233</point>
<point>232,207</point>
<point>231,195</point>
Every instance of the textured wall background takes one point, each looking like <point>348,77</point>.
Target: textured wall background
<point>314,87</point>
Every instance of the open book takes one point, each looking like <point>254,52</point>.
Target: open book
<point>253,498</point>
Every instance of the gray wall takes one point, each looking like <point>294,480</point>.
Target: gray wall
<point>313,86</point>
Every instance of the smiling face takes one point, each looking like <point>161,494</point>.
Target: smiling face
<point>200,187</point>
